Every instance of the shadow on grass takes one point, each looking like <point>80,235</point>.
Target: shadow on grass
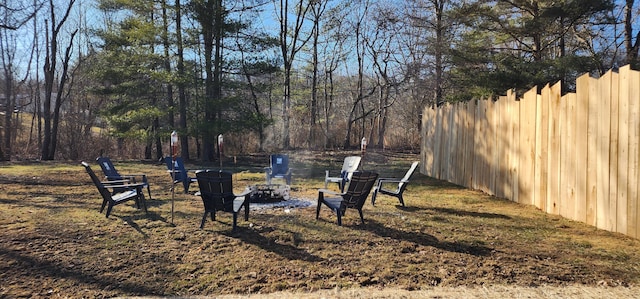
<point>150,216</point>
<point>40,267</point>
<point>458,212</point>
<point>423,239</point>
<point>255,237</point>
<point>409,209</point>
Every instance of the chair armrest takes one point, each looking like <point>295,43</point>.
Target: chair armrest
<point>135,185</point>
<point>130,176</point>
<point>389,180</point>
<point>243,193</point>
<point>134,174</point>
<point>115,182</point>
<point>327,191</point>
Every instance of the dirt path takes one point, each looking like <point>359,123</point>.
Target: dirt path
<point>566,292</point>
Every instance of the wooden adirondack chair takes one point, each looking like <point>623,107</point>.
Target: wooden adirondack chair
<point>278,168</point>
<point>130,191</point>
<point>216,190</point>
<point>354,198</point>
<point>395,187</point>
<point>349,166</point>
<point>179,173</point>
<point>111,174</point>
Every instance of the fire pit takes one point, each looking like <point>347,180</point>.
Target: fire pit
<point>267,193</point>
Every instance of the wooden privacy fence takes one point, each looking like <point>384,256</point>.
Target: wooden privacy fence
<point>577,155</point>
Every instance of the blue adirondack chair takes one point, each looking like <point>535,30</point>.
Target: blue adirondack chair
<point>179,173</point>
<point>127,191</point>
<point>112,174</point>
<point>279,168</point>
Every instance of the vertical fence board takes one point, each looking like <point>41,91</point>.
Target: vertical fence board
<point>481,146</point>
<point>460,123</point>
<point>553,161</point>
<point>488,142</point>
<point>500,161</point>
<point>449,143</point>
<point>544,148</point>
<point>464,140</point>
<point>514,145</point>
<point>614,140</point>
<point>538,162</point>
<point>490,183</point>
<point>459,162</point>
<point>446,141</point>
<point>564,159</point>
<point>582,146</point>
<point>429,129</point>
<point>527,150</point>
<point>634,154</point>
<point>592,153</point>
<point>437,158</point>
<point>478,130</point>
<point>602,148</point>
<point>623,149</point>
<point>469,149</point>
<point>569,159</point>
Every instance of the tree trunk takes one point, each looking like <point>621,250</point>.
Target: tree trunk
<point>182,97</point>
<point>51,121</point>
<point>632,48</point>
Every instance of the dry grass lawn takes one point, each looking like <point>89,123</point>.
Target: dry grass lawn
<point>447,242</point>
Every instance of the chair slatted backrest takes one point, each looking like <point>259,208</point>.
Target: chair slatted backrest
<point>405,180</point>
<point>349,166</point>
<point>96,181</point>
<point>110,172</point>
<point>177,165</point>
<point>279,164</point>
<point>216,189</point>
<point>359,188</point>
<point>108,168</point>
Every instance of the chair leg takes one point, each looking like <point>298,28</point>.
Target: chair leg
<point>320,199</point>
<point>149,190</point>
<point>104,204</point>
<point>204,218</point>
<point>235,221</point>
<point>186,186</point>
<point>318,210</point>
<point>401,199</point>
<point>361,216</point>
<point>144,202</point>
<point>109,208</point>
<point>373,196</point>
<point>246,210</point>
<point>339,214</point>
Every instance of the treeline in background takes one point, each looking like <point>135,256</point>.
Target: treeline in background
<point>116,77</point>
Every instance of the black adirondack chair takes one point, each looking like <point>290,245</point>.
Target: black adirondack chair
<point>111,174</point>
<point>278,168</point>
<point>394,187</point>
<point>354,198</point>
<point>216,190</point>
<point>130,191</point>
